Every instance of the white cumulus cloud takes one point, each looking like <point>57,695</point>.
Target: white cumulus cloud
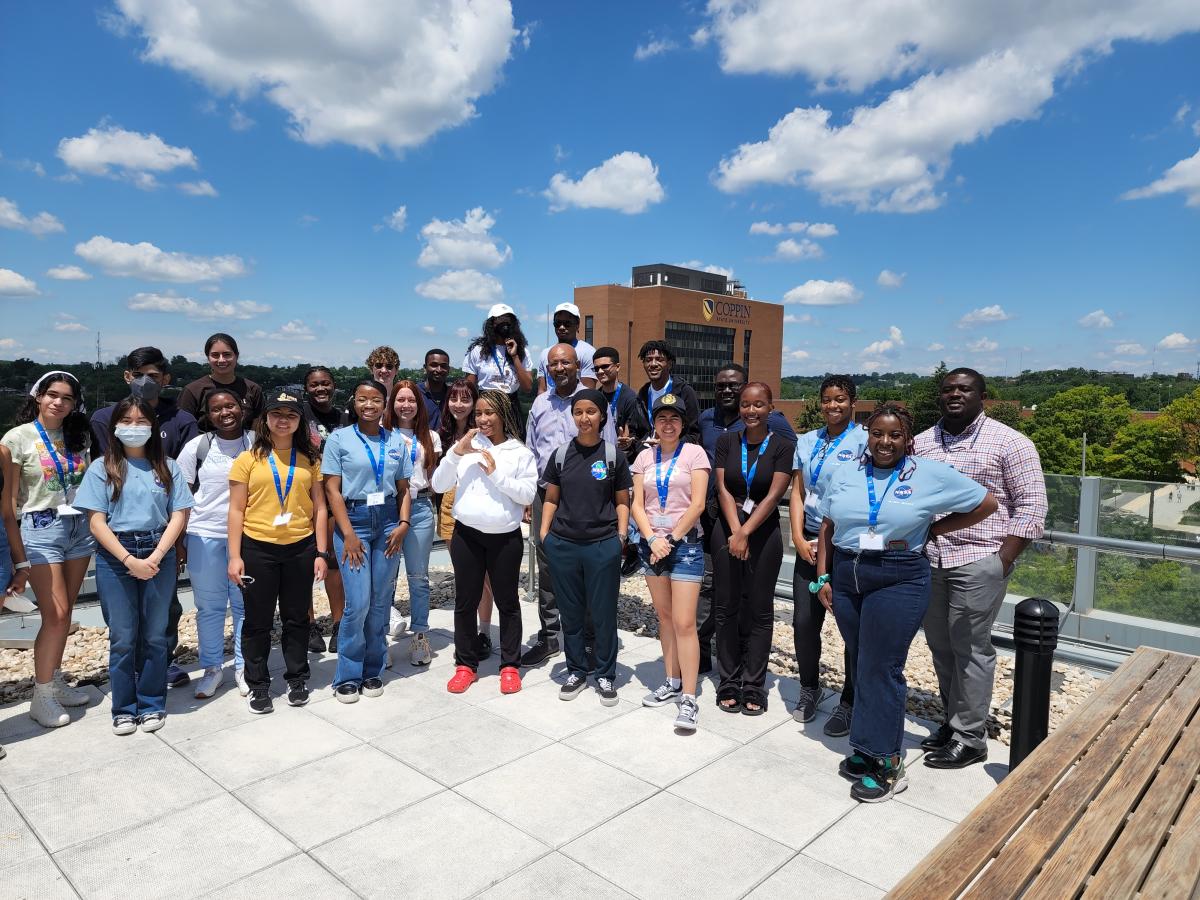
<point>1129,349</point>
<point>462,332</point>
<point>1181,178</point>
<point>14,284</point>
<point>799,355</point>
<point>169,302</point>
<point>113,151</point>
<point>198,188</point>
<point>822,230</point>
<point>69,323</point>
<point>292,330</point>
<point>148,262</point>
<point>68,273</point>
<point>985,315</point>
<point>1096,319</point>
<point>398,220</point>
<point>40,224</point>
<point>627,182</point>
<point>817,292</point>
<point>653,47</point>
<point>889,279</point>
<point>465,243</point>
<point>372,75</point>
<point>790,248</point>
<point>1176,340</point>
<point>935,347</point>
<point>889,345</point>
<point>701,266</point>
<point>815,229</point>
<point>802,319</point>
<point>983,345</point>
<point>468,285</point>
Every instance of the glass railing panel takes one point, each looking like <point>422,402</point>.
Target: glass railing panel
<point>1158,589</point>
<point>1150,511</point>
<point>1047,572</point>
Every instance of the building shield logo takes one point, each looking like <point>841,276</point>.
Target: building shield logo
<point>710,307</point>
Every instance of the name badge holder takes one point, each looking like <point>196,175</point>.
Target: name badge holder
<point>281,491</point>
<point>871,540</point>
<point>377,497</point>
<point>748,471</point>
<point>63,509</point>
<point>824,447</point>
<point>662,520</point>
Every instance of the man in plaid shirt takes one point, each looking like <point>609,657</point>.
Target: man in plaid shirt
<point>970,568</point>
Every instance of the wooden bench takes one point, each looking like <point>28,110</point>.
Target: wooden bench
<point>1107,806</point>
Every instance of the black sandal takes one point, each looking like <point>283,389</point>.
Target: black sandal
<point>726,694</point>
<point>760,702</point>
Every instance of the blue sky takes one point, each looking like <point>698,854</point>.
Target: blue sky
<point>916,182</point>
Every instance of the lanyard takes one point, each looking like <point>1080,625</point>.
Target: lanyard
<point>377,465</point>
<point>281,491</point>
<point>498,359</point>
<point>653,395</point>
<point>748,473</point>
<point>62,476</point>
<point>824,447</point>
<point>664,484</point>
<point>612,405</point>
<point>874,504</point>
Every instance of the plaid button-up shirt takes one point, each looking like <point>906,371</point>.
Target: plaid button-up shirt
<point>1006,463</point>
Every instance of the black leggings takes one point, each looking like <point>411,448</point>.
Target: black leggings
<point>475,554</point>
<point>745,599</point>
<point>283,574</point>
<point>808,617</point>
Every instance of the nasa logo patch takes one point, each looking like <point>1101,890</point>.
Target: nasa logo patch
<point>904,492</point>
<point>845,455</point>
<point>599,470</point>
<point>393,454</point>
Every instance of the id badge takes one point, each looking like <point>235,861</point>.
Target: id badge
<point>282,519</point>
<point>662,521</point>
<point>811,501</point>
<point>375,498</point>
<point>66,509</point>
<point>870,541</point>
<point>748,506</point>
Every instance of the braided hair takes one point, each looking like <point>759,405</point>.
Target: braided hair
<point>500,402</point>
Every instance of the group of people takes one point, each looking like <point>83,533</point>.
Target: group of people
<point>264,492</point>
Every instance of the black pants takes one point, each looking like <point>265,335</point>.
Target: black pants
<point>283,574</point>
<point>475,554</point>
<point>808,617</point>
<point>745,595</point>
<point>706,619</point>
<point>548,614</point>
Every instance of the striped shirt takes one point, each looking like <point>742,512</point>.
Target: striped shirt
<point>1006,463</point>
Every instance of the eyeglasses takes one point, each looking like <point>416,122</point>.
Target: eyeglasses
<point>729,387</point>
<point>602,367</point>
<point>382,366</point>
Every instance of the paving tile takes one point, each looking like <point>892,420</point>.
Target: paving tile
<point>296,877</point>
<point>805,877</point>
<point>461,745</point>
<point>539,709</point>
<point>35,879</point>
<point>15,724</point>
<point>807,744</point>
<point>627,851</point>
<point>265,746</point>
<point>904,833</point>
<point>404,702</point>
<point>951,793</point>
<point>189,718</point>
<point>736,727</point>
<point>18,843</point>
<point>52,752</point>
<point>554,876</point>
<point>646,744</point>
<point>120,793</point>
<point>338,793</point>
<point>416,848</point>
<point>560,792</point>
<point>441,642</point>
<point>235,843</point>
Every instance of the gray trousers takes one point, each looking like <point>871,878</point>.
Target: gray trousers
<point>963,604</point>
<point>551,630</point>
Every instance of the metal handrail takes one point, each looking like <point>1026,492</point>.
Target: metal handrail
<point>1121,545</point>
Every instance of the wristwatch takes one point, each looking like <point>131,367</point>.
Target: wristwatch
<point>328,556</point>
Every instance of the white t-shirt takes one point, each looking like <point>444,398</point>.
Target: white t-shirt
<point>418,481</point>
<point>494,371</point>
<point>210,515</point>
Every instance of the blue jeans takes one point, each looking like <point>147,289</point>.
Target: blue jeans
<point>136,615</point>
<point>208,562</point>
<point>362,638</point>
<point>879,600</point>
<point>6,569</point>
<point>417,545</point>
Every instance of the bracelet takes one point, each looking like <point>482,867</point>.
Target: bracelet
<point>814,586</point>
<point>128,556</point>
<point>404,522</point>
<point>17,567</point>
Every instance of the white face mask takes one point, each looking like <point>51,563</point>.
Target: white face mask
<point>133,435</point>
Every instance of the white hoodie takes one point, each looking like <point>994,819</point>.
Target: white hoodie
<point>493,504</point>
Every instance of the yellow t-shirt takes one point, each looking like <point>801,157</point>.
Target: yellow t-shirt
<point>262,504</point>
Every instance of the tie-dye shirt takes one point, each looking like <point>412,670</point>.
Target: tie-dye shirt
<point>40,486</point>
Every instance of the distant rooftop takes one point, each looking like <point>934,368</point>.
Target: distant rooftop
<point>661,274</point>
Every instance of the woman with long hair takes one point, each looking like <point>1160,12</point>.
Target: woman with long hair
<point>205,461</point>
<point>498,359</point>
<point>221,351</point>
<point>876,517</point>
<point>277,544</point>
<point>406,412</point>
<point>458,417</point>
<point>49,454</point>
<point>137,504</point>
<point>367,470</point>
<point>497,478</point>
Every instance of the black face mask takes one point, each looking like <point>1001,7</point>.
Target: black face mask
<point>145,387</point>
<point>504,330</point>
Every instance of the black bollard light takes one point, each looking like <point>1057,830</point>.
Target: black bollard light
<point>1035,633</point>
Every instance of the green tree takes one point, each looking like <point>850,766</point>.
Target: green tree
<point>1008,413</point>
<point>809,419</point>
<point>1183,415</point>
<point>1095,411</point>
<point>1144,449</point>
<point>922,399</point>
<point>1059,453</point>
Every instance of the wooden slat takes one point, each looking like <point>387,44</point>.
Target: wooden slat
<point>1134,852</point>
<point>955,862</point>
<point>1021,857</point>
<point>1081,851</point>
<point>1176,871</point>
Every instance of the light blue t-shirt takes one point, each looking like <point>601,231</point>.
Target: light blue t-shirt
<point>347,457</point>
<point>925,490</point>
<point>145,503</point>
<point>816,456</point>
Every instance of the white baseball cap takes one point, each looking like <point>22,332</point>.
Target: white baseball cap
<point>500,309</point>
<point>568,308</point>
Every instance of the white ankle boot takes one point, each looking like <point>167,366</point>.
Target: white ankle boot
<point>45,708</point>
<point>67,695</point>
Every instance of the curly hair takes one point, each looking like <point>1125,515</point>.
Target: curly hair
<point>661,346</point>
<point>114,455</point>
<point>900,414</point>
<point>75,428</point>
<point>845,382</point>
<point>383,356</point>
<point>447,424</point>
<point>203,420</point>
<point>500,402</point>
<point>420,426</point>
<point>489,339</point>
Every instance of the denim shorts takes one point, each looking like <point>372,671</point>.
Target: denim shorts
<point>684,563</point>
<point>51,538</point>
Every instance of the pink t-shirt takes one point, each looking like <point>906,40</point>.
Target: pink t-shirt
<point>679,487</point>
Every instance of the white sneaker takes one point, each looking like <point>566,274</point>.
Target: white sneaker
<point>45,708</point>
<point>239,675</point>
<point>396,624</point>
<point>209,682</point>
<point>419,651</point>
<point>67,695</point>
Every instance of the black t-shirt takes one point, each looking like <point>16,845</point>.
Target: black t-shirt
<point>321,424</point>
<point>244,389</point>
<point>587,509</point>
<point>777,458</point>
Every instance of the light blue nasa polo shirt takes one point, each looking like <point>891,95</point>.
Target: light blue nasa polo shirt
<point>821,458</point>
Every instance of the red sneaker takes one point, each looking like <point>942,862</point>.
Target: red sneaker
<point>463,678</point>
<point>510,680</point>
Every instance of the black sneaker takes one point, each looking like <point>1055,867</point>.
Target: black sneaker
<point>483,645</point>
<point>538,652</point>
<point>346,692</point>
<point>316,641</point>
<point>333,636</point>
<point>297,693</point>
<point>883,782</point>
<point>176,677</point>
<point>854,767</point>
<point>838,724</point>
<point>259,702</point>
<point>571,687</point>
<point>372,687</point>
<point>631,561</point>
<point>806,704</point>
<point>607,689</point>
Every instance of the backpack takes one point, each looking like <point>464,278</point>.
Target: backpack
<point>202,448</point>
<point>610,461</point>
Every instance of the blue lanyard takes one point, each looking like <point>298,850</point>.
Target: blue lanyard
<point>281,491</point>
<point>653,395</point>
<point>664,484</point>
<point>377,465</point>
<point>498,359</point>
<point>612,406</point>
<point>62,476</point>
<point>874,504</point>
<point>824,448</point>
<point>748,473</point>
